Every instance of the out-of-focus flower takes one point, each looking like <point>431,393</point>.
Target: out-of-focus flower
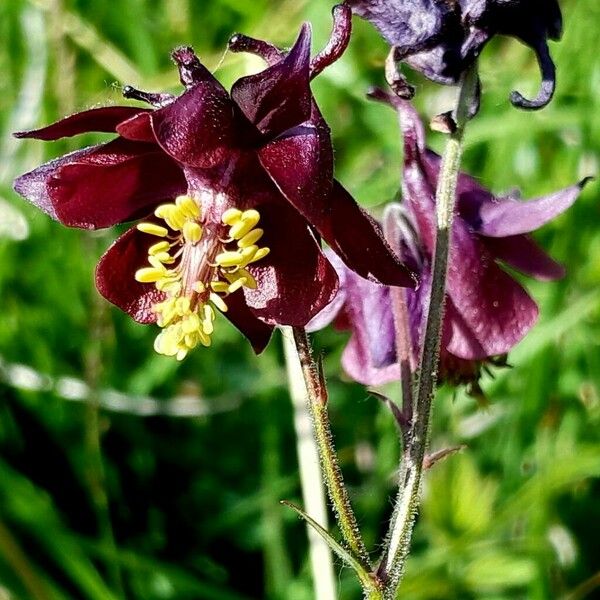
<point>487,311</point>
<point>441,39</point>
<point>235,191</point>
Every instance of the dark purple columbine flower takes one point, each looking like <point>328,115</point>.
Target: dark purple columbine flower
<point>235,191</point>
<point>487,311</point>
<point>441,39</point>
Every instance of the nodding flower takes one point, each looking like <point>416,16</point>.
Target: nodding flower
<point>487,312</point>
<point>233,192</point>
<point>442,39</point>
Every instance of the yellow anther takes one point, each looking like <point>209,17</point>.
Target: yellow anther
<point>208,327</point>
<point>191,323</point>
<point>164,210</point>
<point>163,257</point>
<point>199,287</point>
<point>236,285</point>
<point>158,248</point>
<point>229,259</point>
<point>153,229</point>
<point>208,313</point>
<point>167,342</point>
<point>149,275</point>
<point>260,253</point>
<point>173,216</point>
<point>231,216</point>
<point>248,254</point>
<point>220,287</point>
<point>204,338</point>
<point>218,302</point>
<point>192,232</point>
<point>169,286</point>
<point>182,305</point>
<point>246,223</point>
<point>250,281</point>
<point>188,206</point>
<point>251,238</point>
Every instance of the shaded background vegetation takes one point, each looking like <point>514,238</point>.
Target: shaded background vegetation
<point>195,456</point>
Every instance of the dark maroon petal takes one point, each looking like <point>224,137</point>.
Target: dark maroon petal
<point>138,128</point>
<point>523,254</point>
<point>115,276</point>
<point>365,307</point>
<point>278,97</point>
<point>295,281</point>
<point>493,312</point>
<point>198,129</point>
<point>103,185</point>
<point>103,119</point>
<point>502,217</point>
<point>301,165</point>
<point>358,365</point>
<point>357,239</point>
<point>370,356</point>
<point>334,308</point>
<point>34,185</point>
<point>257,332</point>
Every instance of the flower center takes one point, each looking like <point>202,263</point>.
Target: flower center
<point>197,264</point>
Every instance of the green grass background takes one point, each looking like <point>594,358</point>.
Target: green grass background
<point>182,502</point>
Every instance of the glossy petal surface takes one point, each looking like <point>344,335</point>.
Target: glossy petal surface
<point>279,97</point>
<point>295,281</point>
<point>115,276</point>
<point>103,119</point>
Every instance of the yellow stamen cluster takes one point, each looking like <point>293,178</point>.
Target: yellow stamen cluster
<point>201,272</point>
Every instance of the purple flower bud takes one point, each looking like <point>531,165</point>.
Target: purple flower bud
<point>487,311</point>
<point>441,38</point>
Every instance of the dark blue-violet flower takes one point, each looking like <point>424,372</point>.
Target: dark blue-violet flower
<point>442,39</point>
<point>487,311</point>
<point>234,189</point>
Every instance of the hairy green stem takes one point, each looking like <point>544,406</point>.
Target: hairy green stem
<point>403,517</point>
<point>313,489</point>
<point>338,495</point>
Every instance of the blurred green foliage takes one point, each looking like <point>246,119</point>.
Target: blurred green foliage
<point>183,500</point>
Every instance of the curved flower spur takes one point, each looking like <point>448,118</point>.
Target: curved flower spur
<point>441,39</point>
<point>487,311</point>
<point>235,191</point>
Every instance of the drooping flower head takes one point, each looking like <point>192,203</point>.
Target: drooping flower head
<point>235,191</point>
<point>487,311</point>
<point>442,38</point>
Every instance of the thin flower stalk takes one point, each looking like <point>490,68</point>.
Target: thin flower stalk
<point>313,489</point>
<point>403,518</point>
<point>332,474</point>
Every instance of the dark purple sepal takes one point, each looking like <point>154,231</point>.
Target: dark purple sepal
<point>115,276</point>
<point>279,97</point>
<point>358,240</point>
<point>199,128</point>
<point>493,312</point>
<point>103,185</point>
<point>138,128</point>
<point>295,281</point>
<point>256,331</point>
<point>503,217</point>
<point>102,120</point>
<point>524,254</point>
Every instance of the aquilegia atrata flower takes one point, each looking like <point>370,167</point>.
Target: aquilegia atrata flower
<point>239,189</point>
<point>441,39</point>
<point>487,311</point>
